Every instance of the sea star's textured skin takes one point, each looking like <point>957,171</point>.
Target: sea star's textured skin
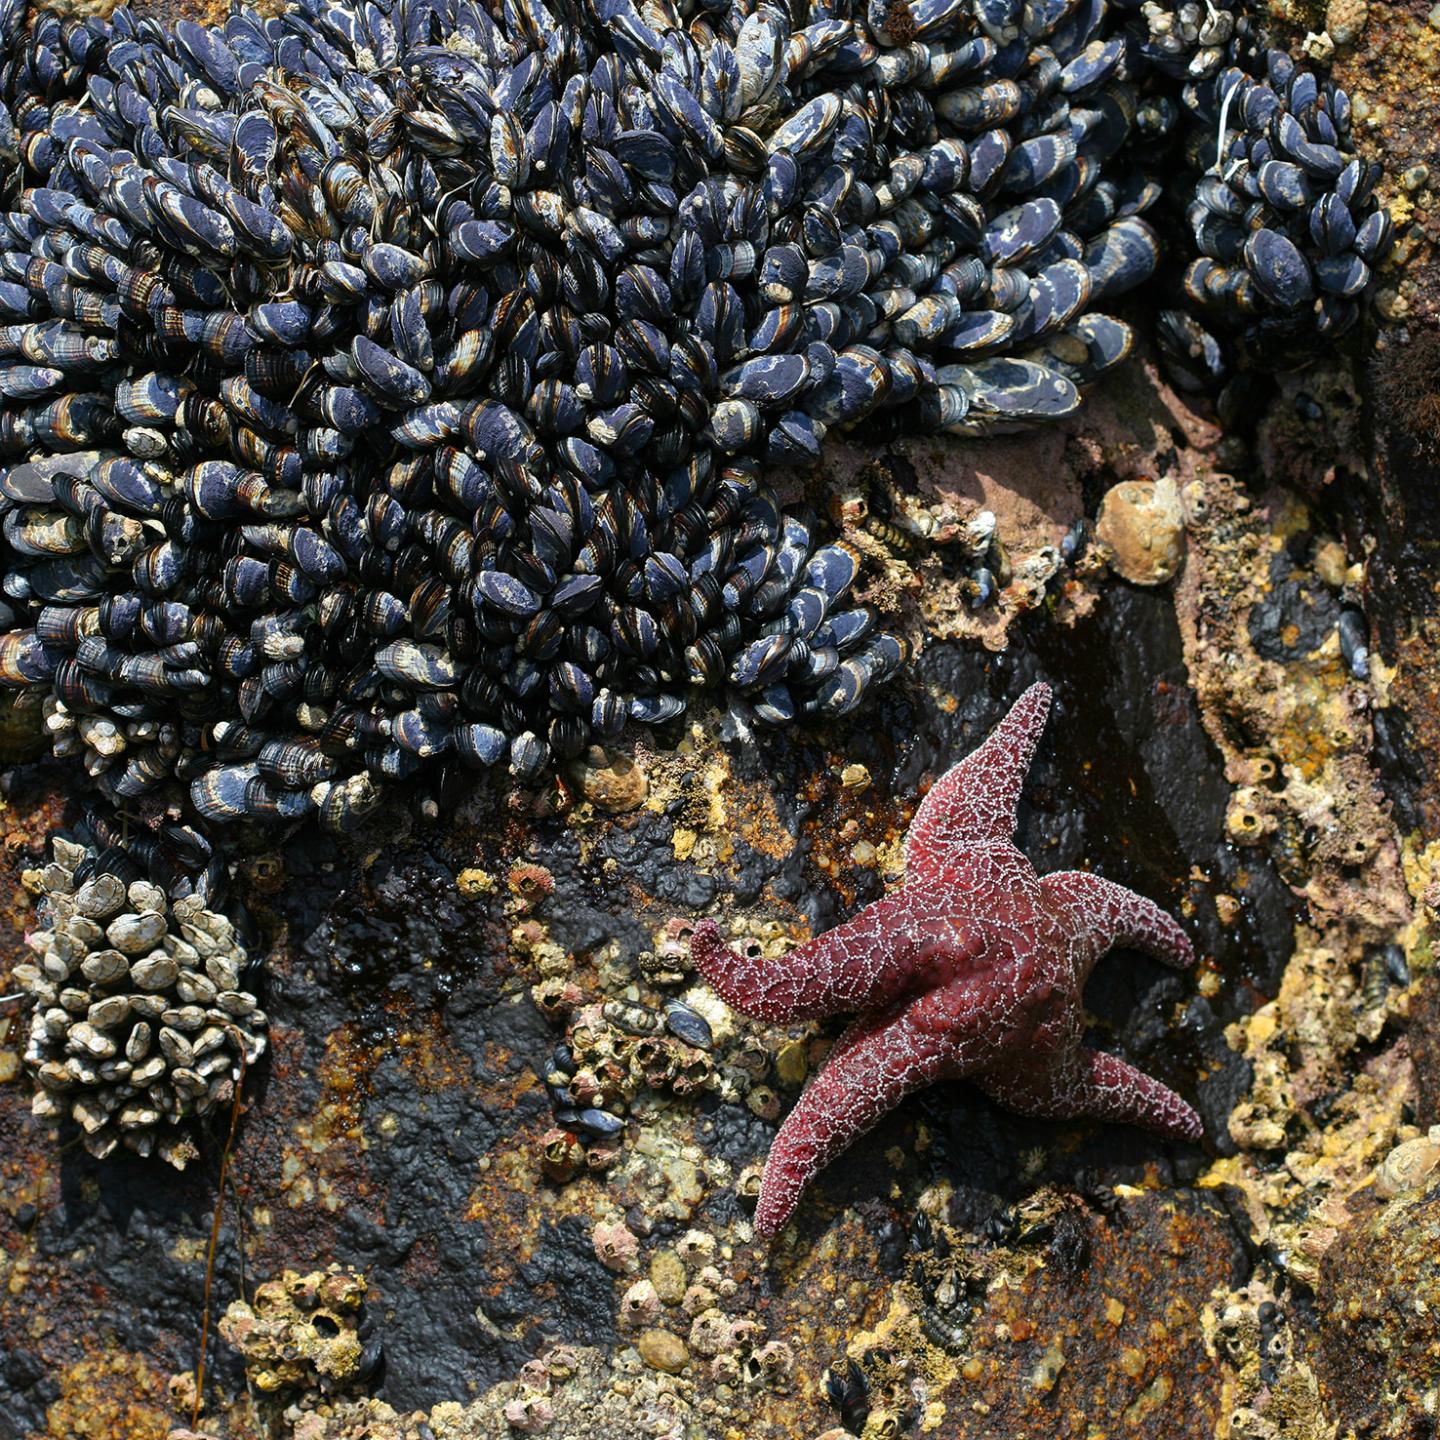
<point>973,968</point>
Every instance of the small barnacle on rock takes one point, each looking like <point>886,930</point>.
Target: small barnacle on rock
<point>562,1154</point>
<point>694,1071</point>
<point>770,1364</point>
<point>616,1245</point>
<point>602,1085</point>
<point>702,1295</point>
<point>555,998</point>
<point>530,884</point>
<point>710,1333</point>
<point>639,1305</point>
<point>747,1184</point>
<point>1251,770</point>
<point>751,1056</point>
<point>764,1102</point>
<point>601,1155</point>
<point>673,944</point>
<point>561,1362</point>
<point>1250,816</point>
<point>658,1062</point>
<point>473,881</point>
<point>529,1414</point>
<point>694,1248</point>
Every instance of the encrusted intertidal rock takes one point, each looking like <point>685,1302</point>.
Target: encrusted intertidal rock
<point>612,1052</point>
<point>1377,1296</point>
<point>302,1333</point>
<point>395,382</point>
<point>140,1017</point>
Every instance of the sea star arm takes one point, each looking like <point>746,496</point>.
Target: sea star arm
<point>1109,914</point>
<point>1113,1089</point>
<point>864,964</point>
<point>974,802</point>
<point>1102,1087</point>
<point>877,1062</point>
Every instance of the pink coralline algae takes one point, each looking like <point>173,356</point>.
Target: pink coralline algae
<point>972,969</point>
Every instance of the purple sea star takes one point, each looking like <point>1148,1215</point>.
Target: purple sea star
<point>973,968</point>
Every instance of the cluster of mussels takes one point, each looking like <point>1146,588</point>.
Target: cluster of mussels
<point>387,380</point>
<point>140,1020</point>
<point>1284,218</point>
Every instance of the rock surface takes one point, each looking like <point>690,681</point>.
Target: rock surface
<point>1378,1306</point>
<point>964,1272</point>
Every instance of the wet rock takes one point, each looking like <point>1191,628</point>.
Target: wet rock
<point>22,735</point>
<point>1379,1310</point>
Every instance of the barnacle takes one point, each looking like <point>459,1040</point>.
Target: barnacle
<point>303,1333</point>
